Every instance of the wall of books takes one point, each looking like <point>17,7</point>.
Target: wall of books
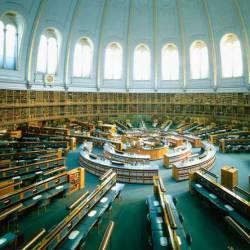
<point>21,106</point>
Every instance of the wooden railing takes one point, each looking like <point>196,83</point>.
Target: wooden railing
<point>107,236</point>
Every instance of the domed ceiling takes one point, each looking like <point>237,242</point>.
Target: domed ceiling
<point>153,23</point>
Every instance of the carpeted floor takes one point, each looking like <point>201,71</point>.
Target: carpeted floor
<point>209,232</point>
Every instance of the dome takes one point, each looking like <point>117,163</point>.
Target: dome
<point>132,37</point>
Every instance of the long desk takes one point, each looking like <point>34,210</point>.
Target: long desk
<point>205,132</point>
<point>234,145</point>
<point>224,200</point>
<point>25,154</point>
<point>214,138</point>
<point>166,125</point>
<point>27,179</point>
<point>47,143</point>
<point>79,235</point>
<point>193,127</point>
<point>166,228</point>
<point>73,229</point>
<point>85,125</point>
<point>36,144</point>
<point>97,140</point>
<point>31,195</point>
<point>49,130</point>
<point>4,164</point>
<point>8,241</point>
<point>121,125</point>
<point>187,127</point>
<point>30,168</point>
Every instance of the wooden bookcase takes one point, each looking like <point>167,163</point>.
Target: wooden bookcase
<point>21,106</point>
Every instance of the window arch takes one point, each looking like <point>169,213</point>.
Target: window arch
<point>199,60</point>
<point>83,58</point>
<point>170,62</point>
<point>231,56</point>
<point>11,46</point>
<point>142,67</point>
<point>113,61</point>
<point>1,44</point>
<point>11,29</point>
<point>47,59</point>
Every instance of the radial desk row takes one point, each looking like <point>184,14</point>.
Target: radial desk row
<point>23,198</point>
<point>188,127</point>
<point>236,134</point>
<point>27,154</point>
<point>234,145</point>
<point>167,231</point>
<point>84,213</point>
<point>49,130</point>
<point>53,154</point>
<point>30,168</point>
<point>205,132</point>
<point>234,208</point>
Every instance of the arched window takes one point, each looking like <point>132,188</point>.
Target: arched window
<point>47,59</point>
<point>142,67</point>
<point>170,62</point>
<point>83,58</point>
<point>11,46</point>
<point>113,62</point>
<point>42,55</point>
<point>11,28</point>
<point>52,55</point>
<point>1,44</point>
<point>231,56</point>
<point>199,60</point>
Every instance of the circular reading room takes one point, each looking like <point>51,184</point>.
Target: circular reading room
<point>124,124</point>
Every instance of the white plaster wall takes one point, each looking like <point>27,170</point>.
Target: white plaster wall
<point>129,22</point>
